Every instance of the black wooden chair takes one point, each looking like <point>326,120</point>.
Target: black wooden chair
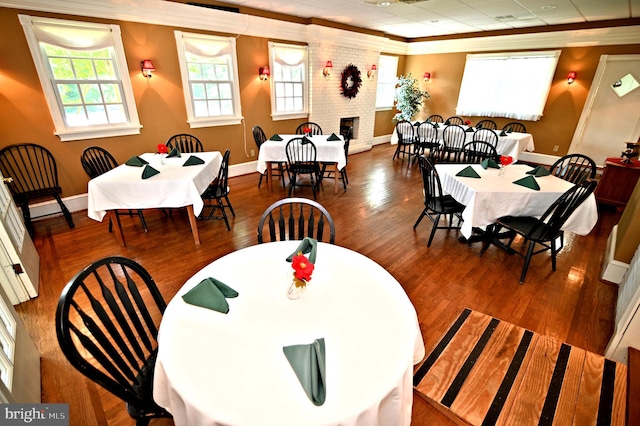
<point>295,219</point>
<point>515,127</point>
<point>216,196</point>
<point>575,168</point>
<point>454,120</point>
<point>487,124</point>
<point>476,151</point>
<point>33,175</point>
<point>406,139</point>
<point>259,137</point>
<point>106,323</point>
<point>435,118</point>
<point>314,127</point>
<point>544,230</point>
<point>427,140</point>
<point>301,160</point>
<point>486,135</point>
<point>453,139</point>
<point>185,143</point>
<point>95,161</point>
<point>328,173</point>
<point>436,203</point>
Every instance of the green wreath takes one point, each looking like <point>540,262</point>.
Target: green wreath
<point>351,81</point>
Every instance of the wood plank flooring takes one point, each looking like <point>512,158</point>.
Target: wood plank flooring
<point>374,217</point>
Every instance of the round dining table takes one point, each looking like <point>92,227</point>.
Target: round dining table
<point>214,368</point>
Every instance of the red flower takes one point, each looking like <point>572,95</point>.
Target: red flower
<point>306,130</point>
<point>162,148</point>
<point>302,267</point>
<point>505,160</point>
<point>468,123</point>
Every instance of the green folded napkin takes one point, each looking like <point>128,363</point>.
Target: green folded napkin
<point>428,121</point>
<point>175,152</point>
<point>506,129</point>
<point>509,130</point>
<point>305,140</point>
<point>308,245</point>
<point>528,182</point>
<point>489,162</point>
<point>211,294</point>
<point>416,124</point>
<point>148,172</point>
<point>136,161</point>
<point>479,126</point>
<point>275,137</point>
<point>503,133</point>
<point>193,160</point>
<point>437,126</point>
<point>468,172</point>
<point>309,363</point>
<point>539,171</point>
<point>333,137</point>
<point>469,129</point>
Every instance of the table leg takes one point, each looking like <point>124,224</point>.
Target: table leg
<point>269,176</point>
<point>335,178</point>
<point>193,221</point>
<point>117,229</point>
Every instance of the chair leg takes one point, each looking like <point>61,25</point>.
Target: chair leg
<point>424,212</point>
<point>65,211</point>
<point>142,221</point>
<point>313,185</point>
<point>343,173</point>
<point>527,259</point>
<point>229,205</point>
<point>260,181</point>
<point>433,229</point>
<point>224,214</point>
<point>554,252</point>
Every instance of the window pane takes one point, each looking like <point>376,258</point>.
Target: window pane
<point>279,89</point>
<point>297,90</point>
<point>75,116</point>
<point>226,107</point>
<point>200,108</point>
<point>288,89</point>
<point>214,107</point>
<point>225,91</point>
<point>69,94</point>
<point>222,72</point>
<point>116,114</point>
<point>208,72</point>
<point>105,70</point>
<point>198,91</point>
<point>97,114</point>
<point>279,104</point>
<point>84,69</point>
<point>61,68</point>
<point>111,93</point>
<point>212,91</point>
<point>195,72</point>
<point>297,104</point>
<point>91,93</point>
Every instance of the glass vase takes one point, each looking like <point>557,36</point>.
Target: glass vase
<point>502,170</point>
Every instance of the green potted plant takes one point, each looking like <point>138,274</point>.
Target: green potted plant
<point>409,98</point>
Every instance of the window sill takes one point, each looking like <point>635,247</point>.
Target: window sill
<point>96,133</point>
<point>289,116</point>
<point>210,122</point>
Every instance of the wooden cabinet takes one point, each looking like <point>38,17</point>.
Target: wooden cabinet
<point>617,182</point>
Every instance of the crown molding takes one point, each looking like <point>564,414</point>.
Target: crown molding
<point>558,39</point>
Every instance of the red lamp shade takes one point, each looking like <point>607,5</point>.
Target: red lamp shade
<point>327,70</point>
<point>372,72</point>
<point>427,76</point>
<point>264,73</point>
<point>571,77</point>
<point>147,67</point>
<point>329,64</point>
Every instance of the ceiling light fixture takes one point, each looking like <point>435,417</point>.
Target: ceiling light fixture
<point>383,3</point>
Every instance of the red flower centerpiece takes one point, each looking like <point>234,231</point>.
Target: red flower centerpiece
<point>162,148</point>
<point>307,131</point>
<point>505,160</point>
<point>302,269</point>
<point>468,123</point>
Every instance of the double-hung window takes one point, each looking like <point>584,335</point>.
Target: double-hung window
<point>289,92</point>
<point>512,85</point>
<point>84,76</point>
<point>209,72</point>
<point>387,79</point>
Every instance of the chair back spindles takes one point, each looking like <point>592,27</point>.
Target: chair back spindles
<point>295,219</point>
<point>185,143</point>
<point>574,168</point>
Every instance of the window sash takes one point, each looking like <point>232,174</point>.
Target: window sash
<point>507,85</point>
<point>289,89</point>
<point>84,75</point>
<point>387,76</point>
<point>208,67</point>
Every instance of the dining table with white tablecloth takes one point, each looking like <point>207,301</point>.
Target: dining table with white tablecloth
<point>327,151</point>
<point>216,368</point>
<point>176,185</point>
<point>510,144</point>
<point>492,196</point>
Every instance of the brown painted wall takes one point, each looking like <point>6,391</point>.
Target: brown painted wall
<point>159,101</point>
<point>564,103</point>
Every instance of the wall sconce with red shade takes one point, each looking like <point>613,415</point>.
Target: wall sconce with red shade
<point>426,76</point>
<point>372,72</point>
<point>147,68</point>
<point>571,77</point>
<point>264,73</point>
<point>327,70</point>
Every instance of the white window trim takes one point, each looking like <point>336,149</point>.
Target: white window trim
<point>392,105</point>
<point>199,122</point>
<point>277,116</point>
<point>78,133</point>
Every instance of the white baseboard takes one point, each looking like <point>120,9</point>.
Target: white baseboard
<point>534,157</point>
<point>612,270</point>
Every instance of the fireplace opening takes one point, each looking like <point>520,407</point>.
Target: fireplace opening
<point>347,122</point>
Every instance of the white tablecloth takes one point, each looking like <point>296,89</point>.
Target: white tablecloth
<point>490,197</point>
<point>326,151</point>
<point>217,369</point>
<point>175,185</point>
<point>512,144</point>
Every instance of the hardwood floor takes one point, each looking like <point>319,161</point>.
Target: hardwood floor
<point>374,217</point>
